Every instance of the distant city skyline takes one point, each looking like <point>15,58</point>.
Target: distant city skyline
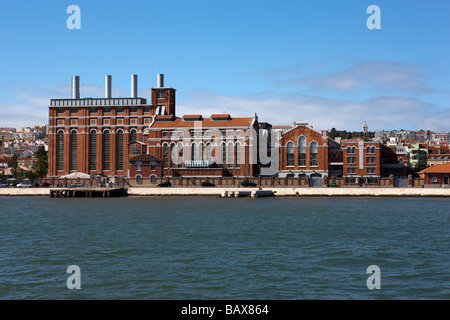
<point>285,60</point>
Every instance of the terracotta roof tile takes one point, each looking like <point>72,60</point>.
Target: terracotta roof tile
<point>437,168</point>
<point>205,122</point>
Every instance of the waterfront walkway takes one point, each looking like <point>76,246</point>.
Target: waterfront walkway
<point>285,191</point>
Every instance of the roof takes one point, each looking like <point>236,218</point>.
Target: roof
<point>190,121</point>
<point>437,168</point>
<point>146,157</point>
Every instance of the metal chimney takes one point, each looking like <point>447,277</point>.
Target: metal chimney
<point>134,86</point>
<point>75,87</point>
<point>108,80</point>
<point>160,80</point>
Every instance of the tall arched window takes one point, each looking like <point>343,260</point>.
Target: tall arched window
<point>106,150</point>
<point>73,150</point>
<point>60,150</point>
<point>224,154</point>
<point>290,154</point>
<point>372,150</point>
<point>313,153</point>
<point>201,151</point>
<point>238,154</point>
<point>93,150</point>
<point>230,155</point>
<point>119,150</point>
<point>180,154</point>
<point>353,149</point>
<point>193,151</point>
<point>173,155</point>
<point>165,155</point>
<point>208,151</point>
<point>133,135</point>
<point>302,151</point>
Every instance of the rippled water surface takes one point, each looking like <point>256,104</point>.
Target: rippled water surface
<point>214,248</point>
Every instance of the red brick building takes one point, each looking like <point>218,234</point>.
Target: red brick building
<point>436,175</point>
<point>205,147</point>
<point>362,160</point>
<point>91,135</point>
<point>303,151</point>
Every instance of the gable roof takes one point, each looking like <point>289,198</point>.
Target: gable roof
<point>190,121</point>
<point>145,157</point>
<point>437,168</point>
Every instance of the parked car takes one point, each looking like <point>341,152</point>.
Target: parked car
<point>3,185</point>
<point>165,184</point>
<point>247,183</point>
<point>77,185</point>
<point>208,184</point>
<point>24,185</point>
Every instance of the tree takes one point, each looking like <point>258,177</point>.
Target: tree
<point>15,167</point>
<point>40,167</point>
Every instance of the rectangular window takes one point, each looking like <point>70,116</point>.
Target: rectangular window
<point>434,179</point>
<point>351,160</point>
<point>160,94</point>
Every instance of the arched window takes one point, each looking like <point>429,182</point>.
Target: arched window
<point>349,149</point>
<point>106,150</point>
<point>290,153</point>
<point>368,150</point>
<point>230,155</point>
<point>138,166</point>
<point>153,178</point>
<point>180,155</point>
<point>119,150</point>
<point>153,166</point>
<point>353,149</point>
<point>73,150</point>
<point>372,150</point>
<point>193,151</point>
<point>201,151</point>
<point>60,150</point>
<point>133,135</point>
<point>224,154</point>
<point>238,154</point>
<point>93,150</point>
<point>208,151</point>
<point>165,155</point>
<point>139,179</point>
<point>302,151</point>
<point>313,153</point>
<point>173,155</point>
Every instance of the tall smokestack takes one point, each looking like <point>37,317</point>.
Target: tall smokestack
<point>108,80</point>
<point>134,86</point>
<point>75,87</point>
<point>160,80</point>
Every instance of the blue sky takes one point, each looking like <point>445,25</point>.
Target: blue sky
<point>284,60</point>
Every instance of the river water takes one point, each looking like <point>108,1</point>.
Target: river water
<point>161,248</point>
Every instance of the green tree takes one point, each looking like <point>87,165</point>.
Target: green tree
<point>40,167</point>
<point>15,167</point>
